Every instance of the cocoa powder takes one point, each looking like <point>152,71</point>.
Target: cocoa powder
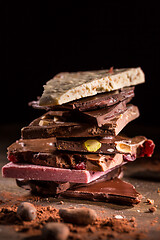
<point>109,228</point>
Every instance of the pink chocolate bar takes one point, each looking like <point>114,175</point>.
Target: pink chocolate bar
<point>44,173</point>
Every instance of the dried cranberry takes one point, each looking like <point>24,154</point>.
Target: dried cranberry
<point>80,166</point>
<point>129,157</point>
<point>147,148</point>
<point>12,158</point>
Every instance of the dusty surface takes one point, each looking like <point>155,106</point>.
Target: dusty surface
<point>140,174</point>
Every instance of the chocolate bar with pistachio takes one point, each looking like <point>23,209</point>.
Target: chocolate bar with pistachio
<point>106,145</point>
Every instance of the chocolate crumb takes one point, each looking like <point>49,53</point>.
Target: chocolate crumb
<point>150,201</point>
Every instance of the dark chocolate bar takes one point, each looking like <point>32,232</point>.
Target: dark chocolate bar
<point>46,128</point>
<point>101,100</point>
<point>101,116</point>
<point>115,190</point>
<point>106,145</point>
<point>98,117</point>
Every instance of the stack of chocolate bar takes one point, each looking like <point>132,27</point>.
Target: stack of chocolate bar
<point>75,149</point>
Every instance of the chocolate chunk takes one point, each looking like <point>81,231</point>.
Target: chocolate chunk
<point>69,129</point>
<point>106,145</point>
<point>114,190</point>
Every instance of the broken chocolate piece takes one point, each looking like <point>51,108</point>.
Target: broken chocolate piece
<point>67,160</point>
<point>101,116</point>
<point>102,100</point>
<point>49,156</point>
<point>106,145</point>
<point>114,190</point>
<point>69,129</point>
<point>97,117</point>
<point>66,87</point>
<point>33,145</point>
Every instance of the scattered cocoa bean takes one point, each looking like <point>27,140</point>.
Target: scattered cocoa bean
<point>27,211</point>
<point>79,216</point>
<point>56,231</point>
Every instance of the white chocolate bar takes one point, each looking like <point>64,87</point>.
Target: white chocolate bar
<point>66,87</point>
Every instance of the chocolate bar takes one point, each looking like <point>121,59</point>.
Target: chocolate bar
<point>66,87</point>
<point>115,190</point>
<point>98,117</point>
<point>46,128</point>
<point>101,116</point>
<point>106,145</point>
<point>43,173</point>
<point>101,100</point>
<point>98,101</point>
<point>32,145</point>
<point>49,156</point>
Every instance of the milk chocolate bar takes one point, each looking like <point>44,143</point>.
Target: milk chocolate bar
<point>49,156</point>
<point>90,162</point>
<point>115,190</point>
<point>54,188</point>
<point>66,87</point>
<point>44,128</point>
<point>106,145</point>
<point>43,173</point>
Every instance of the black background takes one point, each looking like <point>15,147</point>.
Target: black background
<point>40,39</point>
